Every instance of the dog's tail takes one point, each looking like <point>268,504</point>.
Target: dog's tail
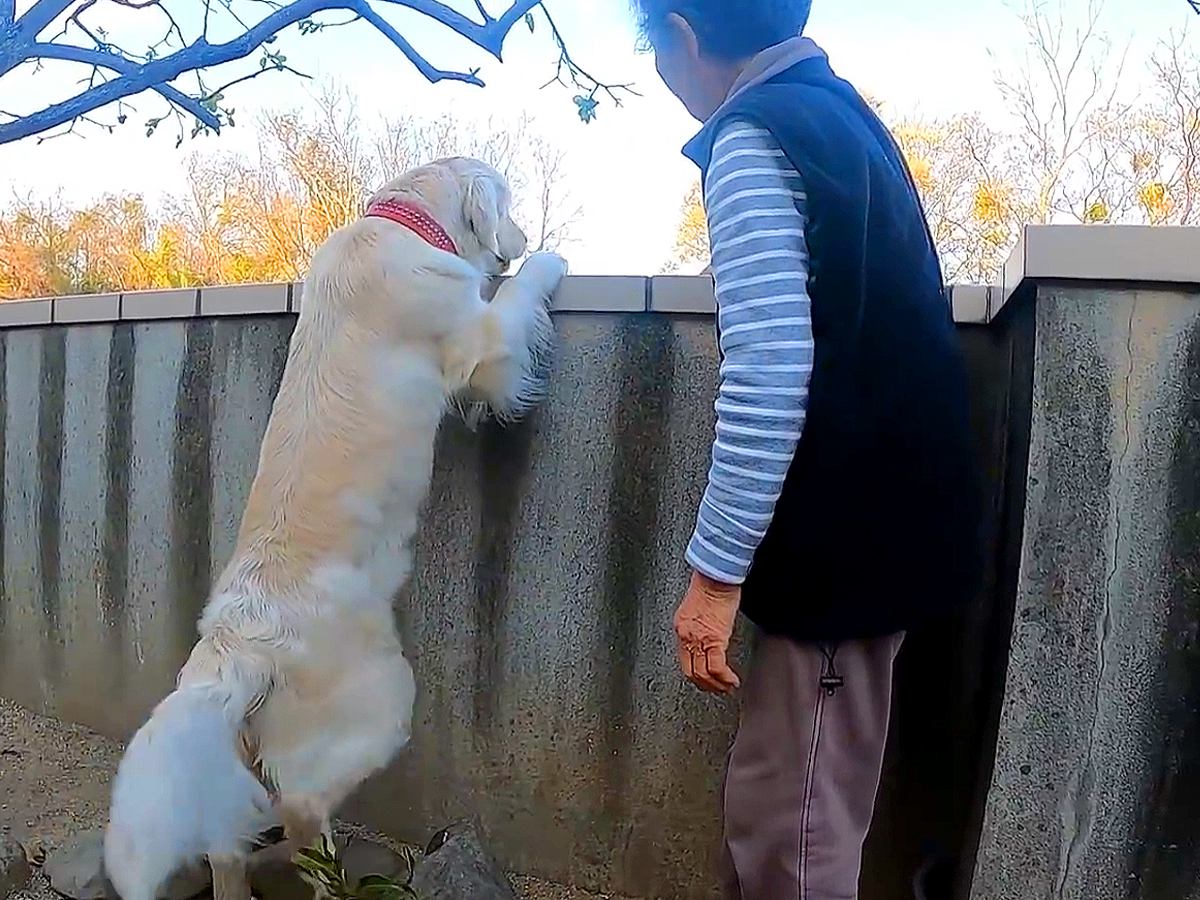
<point>183,790</point>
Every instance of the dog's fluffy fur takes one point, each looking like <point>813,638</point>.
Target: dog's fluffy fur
<point>298,688</point>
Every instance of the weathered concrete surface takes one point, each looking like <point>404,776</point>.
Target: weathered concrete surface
<point>950,676</point>
<point>538,622</point>
<point>1096,785</point>
<point>548,568</point>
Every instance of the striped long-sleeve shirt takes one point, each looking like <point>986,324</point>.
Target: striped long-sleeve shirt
<point>756,219</point>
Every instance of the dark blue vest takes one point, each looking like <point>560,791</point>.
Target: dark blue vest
<point>878,526</point>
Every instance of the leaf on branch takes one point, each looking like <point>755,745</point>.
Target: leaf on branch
<point>529,21</point>
<point>1096,213</point>
<point>587,107</point>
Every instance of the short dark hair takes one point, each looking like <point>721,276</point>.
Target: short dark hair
<point>728,29</point>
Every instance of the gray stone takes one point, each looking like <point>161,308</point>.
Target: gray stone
<point>361,857</point>
<point>76,870</point>
<point>458,866</point>
<point>14,866</point>
<point>274,877</point>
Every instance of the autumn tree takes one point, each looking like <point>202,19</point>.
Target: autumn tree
<point>260,219</point>
<point>691,251</point>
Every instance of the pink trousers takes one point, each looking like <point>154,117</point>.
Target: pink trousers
<point>804,769</point>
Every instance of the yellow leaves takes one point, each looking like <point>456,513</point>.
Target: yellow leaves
<point>922,173</point>
<point>1097,213</point>
<point>691,237</point>
<point>991,204</point>
<point>910,135</point>
<point>1155,200</point>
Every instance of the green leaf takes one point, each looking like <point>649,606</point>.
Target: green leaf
<point>380,892</point>
<point>375,881</point>
<point>529,21</point>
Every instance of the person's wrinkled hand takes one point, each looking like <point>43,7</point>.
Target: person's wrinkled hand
<point>704,626</point>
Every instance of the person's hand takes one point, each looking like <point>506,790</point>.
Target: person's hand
<point>703,626</point>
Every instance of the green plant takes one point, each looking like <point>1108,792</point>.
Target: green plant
<point>321,867</point>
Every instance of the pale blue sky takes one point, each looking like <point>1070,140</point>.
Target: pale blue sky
<point>923,56</point>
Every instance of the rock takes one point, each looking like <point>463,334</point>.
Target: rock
<point>14,865</point>
<point>458,866</point>
<point>274,877</point>
<point>35,851</point>
<point>77,871</point>
<point>361,857</point>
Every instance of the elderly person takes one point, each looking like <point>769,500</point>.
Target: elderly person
<point>839,511</point>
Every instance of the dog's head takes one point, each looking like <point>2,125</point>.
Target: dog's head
<point>472,201</point>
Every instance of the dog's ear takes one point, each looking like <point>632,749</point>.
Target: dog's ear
<point>491,224</point>
<point>482,209</point>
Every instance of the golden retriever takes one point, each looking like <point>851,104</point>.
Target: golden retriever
<point>298,688</point>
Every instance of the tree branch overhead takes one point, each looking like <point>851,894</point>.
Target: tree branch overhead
<point>119,73</point>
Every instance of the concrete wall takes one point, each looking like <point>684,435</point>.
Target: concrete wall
<point>548,570</point>
<point>1096,786</point>
<point>549,565</point>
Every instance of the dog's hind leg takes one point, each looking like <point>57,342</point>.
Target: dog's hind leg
<point>231,880</point>
<point>305,822</point>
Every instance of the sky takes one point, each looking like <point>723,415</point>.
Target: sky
<point>920,57</point>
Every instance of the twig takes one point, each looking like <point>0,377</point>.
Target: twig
<point>125,69</point>
<point>223,88</point>
<point>590,83</point>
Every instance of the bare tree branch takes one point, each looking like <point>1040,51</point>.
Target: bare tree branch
<point>120,64</point>
<point>432,73</point>
<point>35,19</point>
<point>579,77</point>
<point>158,70</point>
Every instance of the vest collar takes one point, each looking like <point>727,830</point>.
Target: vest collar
<point>762,68</point>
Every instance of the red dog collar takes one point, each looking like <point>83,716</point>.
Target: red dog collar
<point>415,220</point>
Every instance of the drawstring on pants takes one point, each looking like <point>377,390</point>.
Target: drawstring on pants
<point>830,679</point>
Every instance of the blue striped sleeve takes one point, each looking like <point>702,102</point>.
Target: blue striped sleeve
<point>756,219</point>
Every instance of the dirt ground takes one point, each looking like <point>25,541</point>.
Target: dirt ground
<point>54,782</point>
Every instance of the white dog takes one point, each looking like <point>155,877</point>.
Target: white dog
<point>298,688</point>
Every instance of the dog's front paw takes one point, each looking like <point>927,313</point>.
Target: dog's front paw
<point>545,271</point>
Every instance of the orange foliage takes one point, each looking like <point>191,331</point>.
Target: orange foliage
<point>244,221</point>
